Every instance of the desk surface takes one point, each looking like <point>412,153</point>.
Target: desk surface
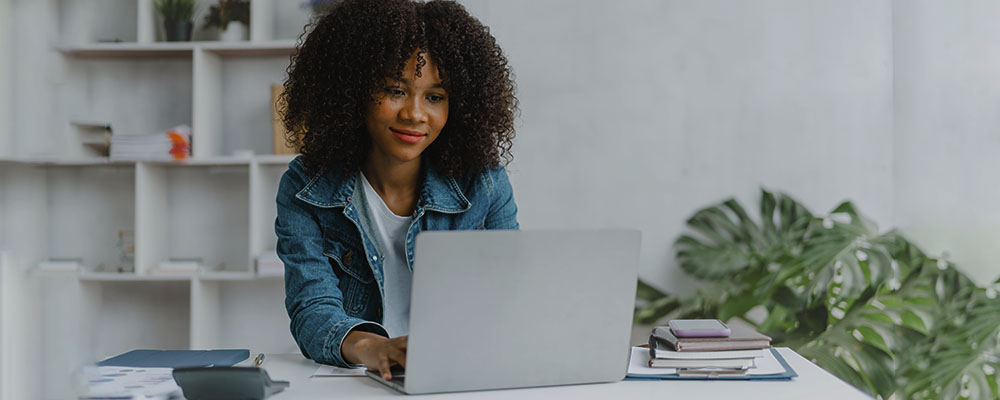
<point>812,383</point>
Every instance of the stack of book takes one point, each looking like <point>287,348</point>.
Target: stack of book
<point>733,355</point>
<point>173,144</point>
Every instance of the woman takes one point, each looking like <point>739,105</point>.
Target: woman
<point>404,114</point>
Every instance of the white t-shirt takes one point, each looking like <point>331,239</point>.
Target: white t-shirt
<point>392,230</point>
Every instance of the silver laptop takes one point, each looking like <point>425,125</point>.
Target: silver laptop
<point>512,309</point>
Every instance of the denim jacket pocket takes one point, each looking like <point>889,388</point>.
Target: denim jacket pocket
<point>355,276</point>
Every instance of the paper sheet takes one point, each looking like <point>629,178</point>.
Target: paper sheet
<point>328,371</point>
<point>639,364</point>
<point>127,383</point>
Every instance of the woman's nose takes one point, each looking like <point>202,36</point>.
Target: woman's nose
<point>413,111</point>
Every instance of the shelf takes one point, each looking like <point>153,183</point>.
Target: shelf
<point>190,212</point>
<point>77,162</point>
<point>15,160</point>
<point>251,49</point>
<point>73,202</point>
<point>227,276</point>
<point>129,50</point>
<point>275,159</point>
<point>130,277</point>
<point>160,277</point>
<point>52,161</point>
<point>195,162</point>
<point>270,277</point>
<point>179,49</point>
<point>47,273</point>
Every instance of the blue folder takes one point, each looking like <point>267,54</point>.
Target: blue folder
<point>783,376</point>
<point>177,358</point>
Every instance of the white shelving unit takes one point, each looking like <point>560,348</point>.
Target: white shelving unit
<point>66,203</point>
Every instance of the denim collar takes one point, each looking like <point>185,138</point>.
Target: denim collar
<point>333,189</point>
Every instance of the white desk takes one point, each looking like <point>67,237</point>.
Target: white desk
<point>813,383</point>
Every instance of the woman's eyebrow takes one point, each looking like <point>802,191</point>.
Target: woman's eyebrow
<point>439,85</point>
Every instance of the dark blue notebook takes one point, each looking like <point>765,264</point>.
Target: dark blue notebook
<point>177,358</point>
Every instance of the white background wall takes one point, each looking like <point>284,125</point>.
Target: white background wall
<point>36,68</point>
<point>6,96</point>
<point>637,113</point>
<point>947,136</point>
<point>6,75</point>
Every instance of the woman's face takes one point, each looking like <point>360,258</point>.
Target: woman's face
<point>409,112</point>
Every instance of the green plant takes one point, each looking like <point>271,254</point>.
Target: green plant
<point>176,10</point>
<point>226,11</point>
<point>868,306</point>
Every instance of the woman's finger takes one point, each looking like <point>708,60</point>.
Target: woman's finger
<point>383,367</point>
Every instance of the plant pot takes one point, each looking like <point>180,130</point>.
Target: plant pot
<point>235,31</point>
<point>178,30</point>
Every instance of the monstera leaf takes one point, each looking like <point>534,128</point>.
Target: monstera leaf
<point>844,254</point>
<point>866,305</point>
<point>865,345</point>
<point>652,304</point>
<point>961,361</point>
<point>725,240</point>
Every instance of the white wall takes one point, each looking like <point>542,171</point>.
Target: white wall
<point>637,113</point>
<point>36,67</point>
<point>6,77</point>
<point>6,96</point>
<point>947,141</point>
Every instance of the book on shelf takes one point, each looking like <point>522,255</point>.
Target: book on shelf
<point>171,145</point>
<point>741,338</point>
<point>94,136</point>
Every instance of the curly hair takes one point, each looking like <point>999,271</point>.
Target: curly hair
<point>343,61</point>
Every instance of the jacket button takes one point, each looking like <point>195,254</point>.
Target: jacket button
<point>349,257</point>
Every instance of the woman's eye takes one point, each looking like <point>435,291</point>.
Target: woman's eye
<point>394,91</point>
<point>435,98</point>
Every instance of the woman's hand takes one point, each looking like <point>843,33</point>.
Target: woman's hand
<point>376,352</point>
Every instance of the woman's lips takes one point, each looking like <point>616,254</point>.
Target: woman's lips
<point>408,136</point>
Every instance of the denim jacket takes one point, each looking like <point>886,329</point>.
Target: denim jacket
<point>332,256</point>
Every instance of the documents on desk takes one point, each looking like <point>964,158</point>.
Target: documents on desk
<point>738,352</point>
<point>127,383</point>
<point>769,367</point>
<point>148,372</point>
<point>329,371</point>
